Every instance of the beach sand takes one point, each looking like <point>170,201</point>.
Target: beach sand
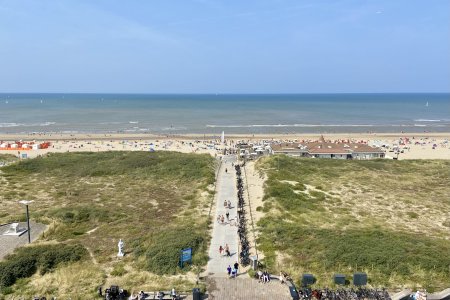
<point>413,145</point>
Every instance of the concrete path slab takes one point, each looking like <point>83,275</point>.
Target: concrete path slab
<point>246,289</point>
<point>8,243</point>
<point>224,233</point>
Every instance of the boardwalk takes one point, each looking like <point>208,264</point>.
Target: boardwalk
<point>224,233</point>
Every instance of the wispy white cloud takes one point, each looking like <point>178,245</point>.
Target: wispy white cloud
<point>90,22</point>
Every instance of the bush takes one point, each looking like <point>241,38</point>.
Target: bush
<point>24,262</point>
<point>412,215</point>
<point>164,252</point>
<point>118,270</point>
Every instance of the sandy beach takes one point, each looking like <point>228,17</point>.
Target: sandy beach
<point>410,145</point>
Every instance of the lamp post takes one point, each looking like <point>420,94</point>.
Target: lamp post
<point>26,203</point>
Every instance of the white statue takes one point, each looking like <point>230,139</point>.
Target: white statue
<point>120,245</point>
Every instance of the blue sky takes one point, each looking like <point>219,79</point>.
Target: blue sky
<point>209,46</point>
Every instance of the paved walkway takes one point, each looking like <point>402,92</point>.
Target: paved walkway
<point>246,289</point>
<point>8,243</point>
<point>224,233</point>
<point>219,285</point>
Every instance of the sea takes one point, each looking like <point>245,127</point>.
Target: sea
<point>171,114</point>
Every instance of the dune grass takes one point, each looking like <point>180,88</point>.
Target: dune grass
<point>387,218</point>
<point>7,158</point>
<point>156,202</point>
<point>26,261</point>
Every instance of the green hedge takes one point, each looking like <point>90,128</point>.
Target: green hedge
<point>25,261</point>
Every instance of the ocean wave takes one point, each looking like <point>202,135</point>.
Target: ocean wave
<point>426,120</point>
<point>6,125</point>
<point>133,122</point>
<point>290,125</point>
<point>111,123</point>
<point>136,129</point>
<point>174,128</point>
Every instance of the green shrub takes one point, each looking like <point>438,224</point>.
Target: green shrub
<point>412,215</point>
<point>7,158</point>
<point>24,262</point>
<point>163,253</point>
<point>118,270</point>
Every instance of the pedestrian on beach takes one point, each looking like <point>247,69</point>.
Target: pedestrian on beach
<point>218,219</point>
<point>236,266</point>
<point>222,219</point>
<point>229,204</point>
<point>220,249</point>
<point>227,250</point>
<point>228,216</point>
<point>229,270</point>
<point>225,203</point>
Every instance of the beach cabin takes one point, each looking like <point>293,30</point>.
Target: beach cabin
<point>328,149</point>
<point>291,149</point>
<point>329,152</point>
<point>366,152</point>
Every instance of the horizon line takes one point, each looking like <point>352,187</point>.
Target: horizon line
<point>216,94</point>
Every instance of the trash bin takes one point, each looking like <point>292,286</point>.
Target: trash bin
<point>196,295</point>
<point>308,279</point>
<point>339,279</point>
<point>254,262</point>
<point>359,279</point>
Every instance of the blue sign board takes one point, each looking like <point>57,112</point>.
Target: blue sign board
<point>185,256</point>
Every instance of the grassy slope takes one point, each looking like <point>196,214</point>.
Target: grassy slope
<point>156,202</point>
<point>388,218</point>
<point>7,158</point>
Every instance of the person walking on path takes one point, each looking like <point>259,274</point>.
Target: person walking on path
<point>229,270</point>
<point>220,250</point>
<point>236,266</point>
<point>229,204</point>
<point>222,219</point>
<point>227,250</point>
<point>233,273</point>
<point>228,216</point>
